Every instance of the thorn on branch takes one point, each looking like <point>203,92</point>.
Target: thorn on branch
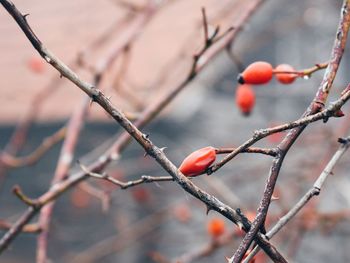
<point>145,136</point>
<point>344,140</point>
<point>163,149</point>
<point>208,209</point>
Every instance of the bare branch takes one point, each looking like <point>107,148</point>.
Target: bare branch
<point>291,137</point>
<point>153,151</point>
<point>315,190</point>
<point>32,158</point>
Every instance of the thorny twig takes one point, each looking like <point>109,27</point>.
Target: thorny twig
<point>150,148</point>
<point>317,105</point>
<point>315,190</point>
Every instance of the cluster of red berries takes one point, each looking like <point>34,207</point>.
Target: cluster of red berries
<point>258,73</point>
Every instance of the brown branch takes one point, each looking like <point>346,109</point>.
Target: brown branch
<point>28,228</point>
<point>205,27</point>
<point>32,158</point>
<point>103,196</point>
<point>129,234</point>
<point>206,250</point>
<point>266,151</point>
<point>17,227</point>
<point>129,34</point>
<point>155,152</point>
<point>324,115</point>
<point>25,199</point>
<point>125,185</point>
<point>304,72</point>
<point>291,137</point>
<point>19,135</point>
<point>314,191</point>
<point>74,127</point>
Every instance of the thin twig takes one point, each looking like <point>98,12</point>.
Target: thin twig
<point>317,105</point>
<point>153,151</point>
<point>315,190</point>
<point>33,157</point>
<point>28,228</point>
<point>125,185</point>
<point>304,72</point>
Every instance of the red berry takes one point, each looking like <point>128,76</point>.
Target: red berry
<point>259,72</point>
<point>216,227</point>
<point>245,99</point>
<point>36,65</point>
<point>198,161</point>
<point>285,78</point>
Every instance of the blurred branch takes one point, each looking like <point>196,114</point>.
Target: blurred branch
<point>97,96</point>
<point>103,196</point>
<point>131,233</point>
<point>32,158</point>
<point>206,250</point>
<point>74,128</point>
<point>25,199</point>
<point>315,190</point>
<point>29,228</point>
<point>316,105</point>
<point>18,137</point>
<point>122,44</point>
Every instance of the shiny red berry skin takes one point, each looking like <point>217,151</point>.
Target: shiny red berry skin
<point>197,162</point>
<point>259,72</point>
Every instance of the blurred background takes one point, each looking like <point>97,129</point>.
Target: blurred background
<point>150,46</point>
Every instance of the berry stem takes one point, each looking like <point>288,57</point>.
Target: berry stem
<point>304,72</point>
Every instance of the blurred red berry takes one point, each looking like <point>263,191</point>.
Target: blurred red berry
<point>36,65</point>
<point>216,227</point>
<point>285,78</point>
<point>245,99</point>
